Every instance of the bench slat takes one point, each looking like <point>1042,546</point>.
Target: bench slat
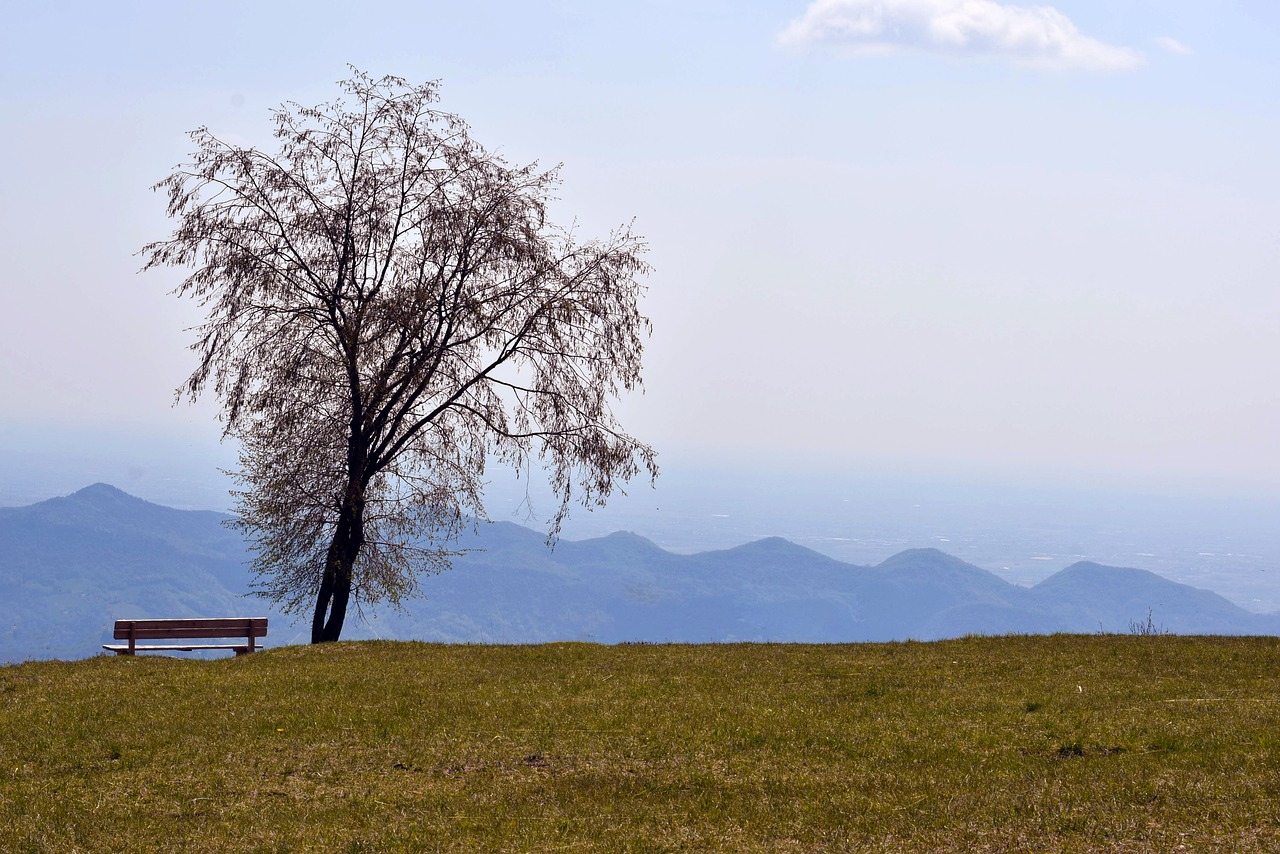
<point>241,627</point>
<point>186,647</point>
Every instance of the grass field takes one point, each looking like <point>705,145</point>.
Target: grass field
<point>1068,743</point>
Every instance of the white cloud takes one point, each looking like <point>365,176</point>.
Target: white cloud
<point>1174,46</point>
<point>1031,35</point>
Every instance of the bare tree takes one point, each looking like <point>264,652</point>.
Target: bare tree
<point>388,311</point>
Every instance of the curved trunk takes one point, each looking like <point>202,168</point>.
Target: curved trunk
<point>335,586</point>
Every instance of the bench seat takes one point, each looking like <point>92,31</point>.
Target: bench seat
<point>123,648</point>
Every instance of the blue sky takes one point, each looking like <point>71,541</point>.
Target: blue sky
<point>954,235</point>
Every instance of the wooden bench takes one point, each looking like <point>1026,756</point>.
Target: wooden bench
<point>249,628</point>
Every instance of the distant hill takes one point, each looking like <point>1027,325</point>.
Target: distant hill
<point>70,566</point>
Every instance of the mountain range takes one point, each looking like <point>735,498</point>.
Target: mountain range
<point>70,566</point>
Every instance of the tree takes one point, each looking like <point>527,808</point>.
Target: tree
<point>388,311</point>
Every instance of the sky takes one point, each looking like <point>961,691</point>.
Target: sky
<point>965,236</point>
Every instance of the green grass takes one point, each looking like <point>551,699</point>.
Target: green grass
<point>1103,743</point>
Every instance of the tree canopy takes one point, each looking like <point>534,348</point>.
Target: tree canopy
<point>389,311</point>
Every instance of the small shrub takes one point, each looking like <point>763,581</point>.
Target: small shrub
<point>1149,628</point>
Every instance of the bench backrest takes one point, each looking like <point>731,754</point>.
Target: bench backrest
<point>220,627</point>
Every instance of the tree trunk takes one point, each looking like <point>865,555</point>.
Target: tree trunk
<point>335,586</point>
<point>326,593</point>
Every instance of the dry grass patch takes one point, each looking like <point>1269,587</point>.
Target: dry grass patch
<point>1022,743</point>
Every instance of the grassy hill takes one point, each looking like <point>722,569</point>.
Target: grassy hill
<point>1075,743</point>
